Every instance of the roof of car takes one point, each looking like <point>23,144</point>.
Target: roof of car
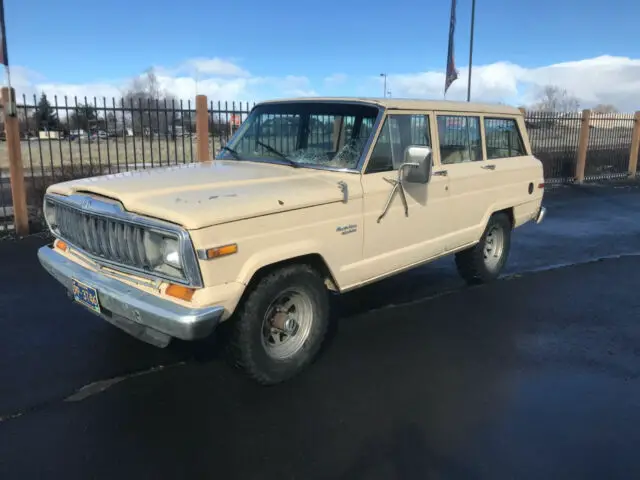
<point>411,104</point>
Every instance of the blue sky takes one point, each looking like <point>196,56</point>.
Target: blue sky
<point>72,43</point>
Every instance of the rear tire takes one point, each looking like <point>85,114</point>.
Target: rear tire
<point>483,262</point>
<point>281,325</point>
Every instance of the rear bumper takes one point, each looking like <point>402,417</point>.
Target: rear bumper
<point>145,316</point>
<point>540,215</point>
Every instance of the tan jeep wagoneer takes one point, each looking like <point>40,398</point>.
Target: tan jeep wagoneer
<point>309,197</point>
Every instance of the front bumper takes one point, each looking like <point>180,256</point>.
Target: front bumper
<point>141,314</point>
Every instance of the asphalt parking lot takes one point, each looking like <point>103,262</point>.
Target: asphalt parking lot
<point>534,376</point>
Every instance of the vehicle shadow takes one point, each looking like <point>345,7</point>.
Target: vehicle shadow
<point>431,280</point>
<point>434,279</point>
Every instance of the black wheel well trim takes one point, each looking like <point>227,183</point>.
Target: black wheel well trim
<point>508,212</point>
<point>314,260</point>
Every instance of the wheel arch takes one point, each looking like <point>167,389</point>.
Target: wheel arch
<point>508,212</point>
<point>314,260</point>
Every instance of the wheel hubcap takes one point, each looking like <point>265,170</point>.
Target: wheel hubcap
<point>287,324</point>
<point>493,248</point>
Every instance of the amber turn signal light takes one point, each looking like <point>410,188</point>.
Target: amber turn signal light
<point>178,291</point>
<point>221,251</point>
<point>61,245</point>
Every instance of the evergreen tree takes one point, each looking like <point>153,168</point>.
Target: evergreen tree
<point>84,117</point>
<point>46,116</point>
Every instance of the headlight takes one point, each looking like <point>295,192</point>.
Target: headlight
<point>162,251</point>
<point>171,252</point>
<point>152,242</point>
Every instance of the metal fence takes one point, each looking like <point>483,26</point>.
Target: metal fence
<point>6,209</point>
<point>555,137</point>
<point>609,146</point>
<point>224,119</point>
<point>64,138</point>
<point>554,140</point>
<point>108,137</point>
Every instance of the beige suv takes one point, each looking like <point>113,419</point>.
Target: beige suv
<point>310,197</point>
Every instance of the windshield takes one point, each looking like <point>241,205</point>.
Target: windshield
<point>304,134</point>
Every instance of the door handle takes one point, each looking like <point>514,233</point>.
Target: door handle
<point>441,173</point>
<point>489,167</point>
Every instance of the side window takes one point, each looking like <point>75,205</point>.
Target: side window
<point>460,139</point>
<point>398,132</point>
<point>503,138</point>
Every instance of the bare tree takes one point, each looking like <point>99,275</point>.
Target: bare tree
<point>152,111</point>
<point>605,108</point>
<point>552,98</point>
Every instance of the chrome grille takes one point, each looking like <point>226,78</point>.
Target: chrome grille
<point>102,237</point>
<point>110,235</point>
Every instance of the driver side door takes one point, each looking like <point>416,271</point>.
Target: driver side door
<point>397,241</point>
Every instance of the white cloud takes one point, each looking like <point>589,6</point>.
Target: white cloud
<point>215,67</point>
<point>335,79</point>
<point>604,79</point>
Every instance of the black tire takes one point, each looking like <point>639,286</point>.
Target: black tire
<point>246,336</point>
<point>471,263</point>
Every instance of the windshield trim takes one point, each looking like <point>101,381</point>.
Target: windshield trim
<point>365,149</point>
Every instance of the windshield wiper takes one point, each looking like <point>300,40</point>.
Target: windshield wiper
<point>293,163</point>
<point>235,154</point>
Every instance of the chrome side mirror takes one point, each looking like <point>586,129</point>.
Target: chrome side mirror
<point>418,163</point>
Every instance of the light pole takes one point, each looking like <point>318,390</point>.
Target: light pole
<point>473,21</point>
<point>385,83</point>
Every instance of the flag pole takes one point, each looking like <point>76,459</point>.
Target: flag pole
<point>473,21</point>
<point>4,56</point>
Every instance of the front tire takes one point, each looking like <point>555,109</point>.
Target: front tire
<point>483,262</point>
<point>281,325</point>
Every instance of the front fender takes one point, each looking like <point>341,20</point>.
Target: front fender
<point>276,254</point>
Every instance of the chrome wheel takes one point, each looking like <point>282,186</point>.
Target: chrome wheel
<point>493,247</point>
<point>287,324</point>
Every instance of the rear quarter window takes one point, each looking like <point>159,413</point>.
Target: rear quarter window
<point>503,138</point>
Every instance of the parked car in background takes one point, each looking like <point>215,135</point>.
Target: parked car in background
<point>309,198</point>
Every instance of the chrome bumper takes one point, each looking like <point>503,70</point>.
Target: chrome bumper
<point>540,215</point>
<point>145,316</point>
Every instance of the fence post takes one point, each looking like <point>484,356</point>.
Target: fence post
<point>202,128</point>
<point>583,145</point>
<point>635,146</point>
<point>16,169</point>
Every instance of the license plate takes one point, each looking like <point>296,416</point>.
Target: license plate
<point>85,295</point>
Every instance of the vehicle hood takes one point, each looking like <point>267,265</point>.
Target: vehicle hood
<point>202,194</point>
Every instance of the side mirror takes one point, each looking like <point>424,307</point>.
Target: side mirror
<point>418,164</point>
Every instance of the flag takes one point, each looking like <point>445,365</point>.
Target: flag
<point>452,73</point>
<point>4,56</point>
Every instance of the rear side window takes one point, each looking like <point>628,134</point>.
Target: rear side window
<point>503,138</point>
<point>459,139</point>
